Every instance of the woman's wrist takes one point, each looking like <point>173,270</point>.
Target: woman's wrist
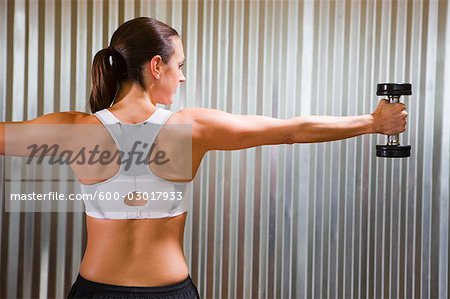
<point>371,124</point>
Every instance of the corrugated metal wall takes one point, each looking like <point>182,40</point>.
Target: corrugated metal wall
<point>305,221</point>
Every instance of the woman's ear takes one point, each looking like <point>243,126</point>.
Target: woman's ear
<point>155,66</point>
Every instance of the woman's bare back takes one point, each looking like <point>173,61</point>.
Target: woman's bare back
<point>135,252</point>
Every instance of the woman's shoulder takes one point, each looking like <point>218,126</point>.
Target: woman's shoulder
<point>66,117</point>
<point>191,115</point>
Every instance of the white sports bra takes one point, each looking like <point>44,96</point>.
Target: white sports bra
<point>162,198</point>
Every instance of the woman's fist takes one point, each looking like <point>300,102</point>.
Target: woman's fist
<point>389,118</point>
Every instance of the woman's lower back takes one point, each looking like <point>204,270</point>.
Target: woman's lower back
<point>135,252</point>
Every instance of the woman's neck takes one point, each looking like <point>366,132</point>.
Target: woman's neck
<point>131,94</point>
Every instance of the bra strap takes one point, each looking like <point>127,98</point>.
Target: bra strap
<point>160,116</point>
<point>106,117</point>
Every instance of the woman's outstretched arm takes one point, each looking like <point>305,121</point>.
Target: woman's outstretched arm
<point>217,130</point>
<point>20,134</point>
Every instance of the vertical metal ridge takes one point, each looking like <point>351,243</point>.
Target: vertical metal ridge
<point>428,114</point>
<point>313,161</point>
<point>62,43</point>
<point>213,161</point>
<point>345,279</point>
<point>5,68</point>
<point>196,202</point>
<point>10,237</point>
<point>392,168</point>
<point>444,192</point>
<point>365,205</point>
<point>405,11</point>
<point>272,196</point>
<point>243,204</point>
<point>339,31</point>
<point>300,222</point>
<point>257,231</point>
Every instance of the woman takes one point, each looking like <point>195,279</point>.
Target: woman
<point>141,255</point>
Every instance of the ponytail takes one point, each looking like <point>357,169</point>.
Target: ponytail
<point>106,78</point>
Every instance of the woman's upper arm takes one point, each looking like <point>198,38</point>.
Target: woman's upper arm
<point>219,130</point>
<point>17,137</point>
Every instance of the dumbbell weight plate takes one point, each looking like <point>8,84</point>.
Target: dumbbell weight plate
<point>393,151</point>
<point>393,89</point>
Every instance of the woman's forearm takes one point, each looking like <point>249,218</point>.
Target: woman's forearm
<point>317,128</point>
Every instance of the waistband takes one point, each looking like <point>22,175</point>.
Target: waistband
<point>102,287</point>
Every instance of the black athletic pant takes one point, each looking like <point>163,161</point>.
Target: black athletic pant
<point>83,288</point>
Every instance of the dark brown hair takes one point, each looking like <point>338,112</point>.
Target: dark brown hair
<point>133,44</point>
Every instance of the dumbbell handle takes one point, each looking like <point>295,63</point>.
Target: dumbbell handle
<point>393,139</point>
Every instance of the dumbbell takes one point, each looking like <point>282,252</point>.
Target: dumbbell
<point>393,149</point>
